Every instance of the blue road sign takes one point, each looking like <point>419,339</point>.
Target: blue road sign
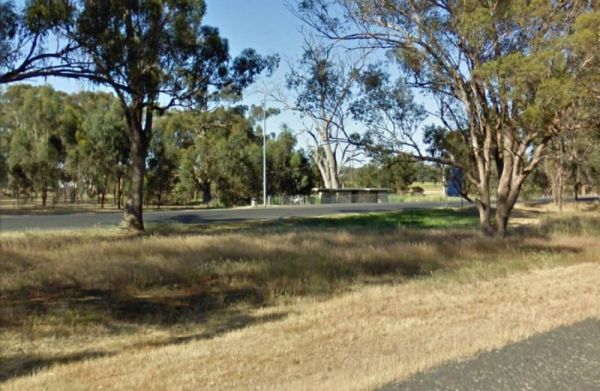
<point>454,182</point>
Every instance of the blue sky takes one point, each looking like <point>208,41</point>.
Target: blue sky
<point>266,25</point>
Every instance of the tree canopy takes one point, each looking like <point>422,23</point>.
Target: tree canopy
<point>502,73</point>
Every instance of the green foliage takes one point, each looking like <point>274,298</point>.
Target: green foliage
<point>162,164</point>
<point>394,172</point>
<point>213,151</point>
<point>385,105</point>
<point>59,141</point>
<point>218,153</point>
<point>77,146</point>
<point>289,169</point>
<point>238,168</point>
<point>8,31</point>
<point>37,147</point>
<point>103,142</point>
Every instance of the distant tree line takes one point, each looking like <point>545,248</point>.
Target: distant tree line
<point>74,147</point>
<point>71,148</point>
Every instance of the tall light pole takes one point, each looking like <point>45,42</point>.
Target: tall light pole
<point>265,150</point>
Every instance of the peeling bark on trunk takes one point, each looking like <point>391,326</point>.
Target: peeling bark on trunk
<point>324,173</point>
<point>331,165</point>
<point>485,210</point>
<point>485,219</point>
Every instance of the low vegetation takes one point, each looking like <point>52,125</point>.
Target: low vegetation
<point>72,296</point>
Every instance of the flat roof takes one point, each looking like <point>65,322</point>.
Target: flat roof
<point>347,189</point>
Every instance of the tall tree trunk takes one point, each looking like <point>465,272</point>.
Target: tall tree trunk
<point>503,211</point>
<point>119,189</point>
<point>331,165</point>
<point>139,135</point>
<point>484,208</point>
<point>504,190</point>
<point>324,172</point>
<point>103,193</point>
<point>44,191</point>
<point>206,193</point>
<point>561,182</point>
<point>132,217</point>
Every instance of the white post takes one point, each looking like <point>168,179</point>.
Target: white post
<point>265,151</point>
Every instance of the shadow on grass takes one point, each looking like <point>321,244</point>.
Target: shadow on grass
<point>113,307</point>
<point>12,366</point>
<point>25,364</point>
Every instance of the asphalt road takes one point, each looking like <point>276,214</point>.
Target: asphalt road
<point>10,223</point>
<point>565,359</point>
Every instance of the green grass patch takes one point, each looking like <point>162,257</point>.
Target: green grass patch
<point>409,218</point>
<point>417,218</point>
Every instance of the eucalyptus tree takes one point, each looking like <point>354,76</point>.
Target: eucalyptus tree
<point>155,55</point>
<point>163,160</point>
<point>500,72</point>
<point>324,80</point>
<point>288,168</point>
<point>576,156</point>
<point>104,144</point>
<point>213,150</point>
<point>37,148</point>
<point>584,43</point>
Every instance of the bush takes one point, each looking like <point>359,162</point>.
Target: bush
<point>417,190</point>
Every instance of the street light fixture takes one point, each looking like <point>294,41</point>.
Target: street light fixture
<point>265,90</point>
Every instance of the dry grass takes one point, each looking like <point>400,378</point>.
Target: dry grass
<point>302,296</point>
<point>358,341</point>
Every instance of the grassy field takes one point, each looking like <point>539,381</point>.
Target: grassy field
<point>356,301</point>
